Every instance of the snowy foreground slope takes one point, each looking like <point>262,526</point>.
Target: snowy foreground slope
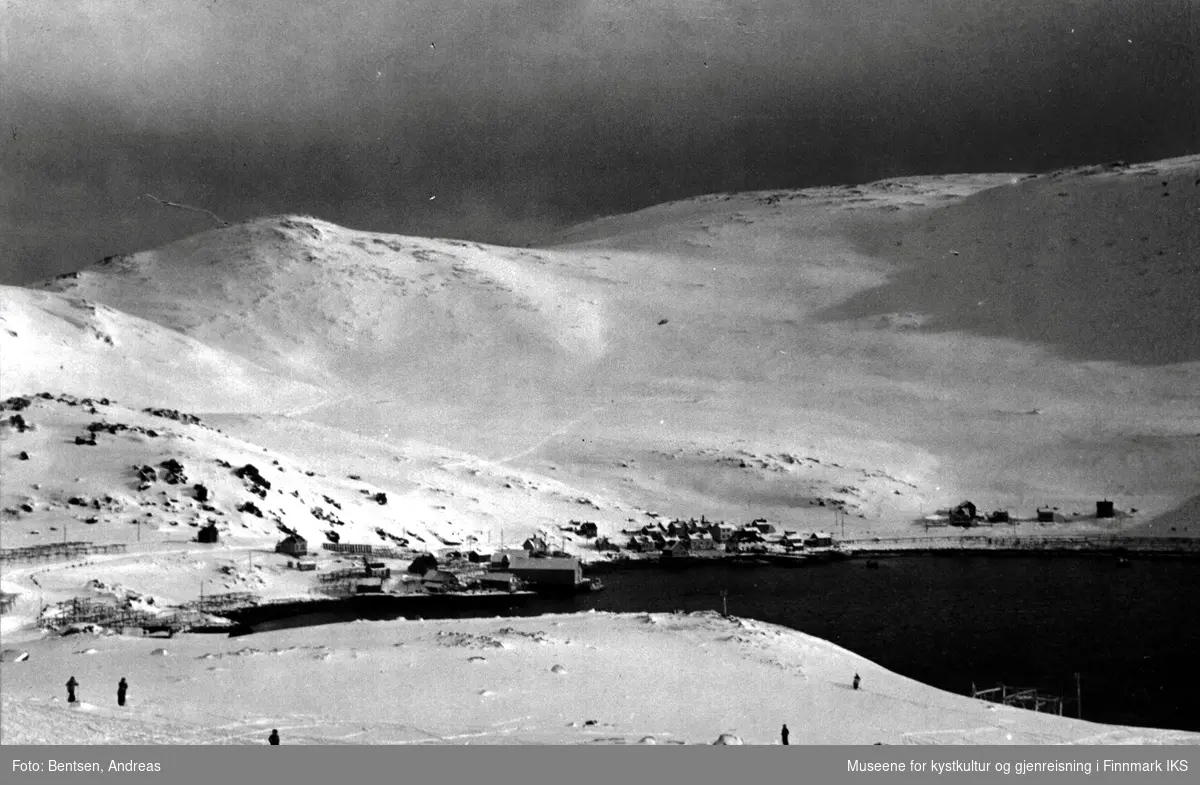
<point>583,679</point>
<point>884,349</point>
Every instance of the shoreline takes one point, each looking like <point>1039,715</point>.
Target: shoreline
<point>965,545</point>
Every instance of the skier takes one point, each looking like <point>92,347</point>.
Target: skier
<point>857,680</point>
<point>122,686</point>
<point>785,735</point>
<point>71,685</point>
<point>273,738</point>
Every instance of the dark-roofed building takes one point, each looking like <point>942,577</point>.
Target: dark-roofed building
<point>534,545</point>
<point>440,580</point>
<point>675,549</point>
<point>292,545</point>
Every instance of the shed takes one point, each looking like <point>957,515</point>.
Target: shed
<point>293,545</point>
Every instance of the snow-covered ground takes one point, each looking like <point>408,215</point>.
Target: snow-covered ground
<point>579,679</point>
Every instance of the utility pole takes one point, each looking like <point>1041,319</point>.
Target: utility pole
<point>724,604</point>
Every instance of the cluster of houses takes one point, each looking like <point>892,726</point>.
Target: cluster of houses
<point>685,538</point>
<point>536,565</point>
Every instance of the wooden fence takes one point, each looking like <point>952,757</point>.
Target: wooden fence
<point>59,550</point>
<point>373,550</point>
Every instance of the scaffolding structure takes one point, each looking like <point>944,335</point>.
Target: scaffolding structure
<point>110,614</point>
<point>1021,697</point>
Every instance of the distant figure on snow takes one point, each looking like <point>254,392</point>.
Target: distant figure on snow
<point>785,735</point>
<point>857,681</point>
<point>71,685</point>
<point>122,686</point>
<point>273,738</point>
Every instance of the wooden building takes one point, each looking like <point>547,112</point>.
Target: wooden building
<point>292,545</point>
<point>549,571</point>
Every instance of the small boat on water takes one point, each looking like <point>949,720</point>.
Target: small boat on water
<point>1123,561</point>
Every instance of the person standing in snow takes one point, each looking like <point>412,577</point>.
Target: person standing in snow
<point>273,739</point>
<point>785,735</point>
<point>71,685</point>
<point>122,686</point>
<point>857,680</point>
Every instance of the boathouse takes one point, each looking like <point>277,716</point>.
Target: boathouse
<point>549,571</point>
<point>500,581</point>
<point>440,580</point>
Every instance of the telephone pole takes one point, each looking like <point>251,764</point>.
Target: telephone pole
<point>724,604</point>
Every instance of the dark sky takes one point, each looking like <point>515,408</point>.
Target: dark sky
<point>521,116</point>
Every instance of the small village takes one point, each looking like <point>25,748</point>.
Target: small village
<point>476,577</point>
